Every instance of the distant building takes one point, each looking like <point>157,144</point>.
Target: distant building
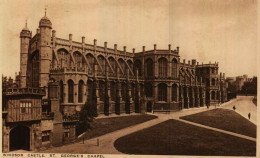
<point>59,76</point>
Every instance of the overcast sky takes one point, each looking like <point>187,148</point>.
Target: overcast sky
<point>224,30</point>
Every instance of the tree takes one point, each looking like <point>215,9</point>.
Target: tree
<point>86,117</point>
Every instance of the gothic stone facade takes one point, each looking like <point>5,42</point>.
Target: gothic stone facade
<point>114,81</point>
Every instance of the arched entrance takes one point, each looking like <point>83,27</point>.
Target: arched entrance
<point>149,107</point>
<point>20,138</point>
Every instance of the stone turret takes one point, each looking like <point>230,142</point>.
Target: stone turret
<point>25,36</point>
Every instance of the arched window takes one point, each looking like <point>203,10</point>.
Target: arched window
<point>113,64</point>
<point>149,67</point>
<point>79,60</point>
<point>80,91</point>
<point>130,64</point>
<point>122,65</point>
<point>102,62</point>
<point>213,82</point>
<point>71,91</point>
<point>162,67</point>
<point>61,92</point>
<point>218,93</point>
<point>174,92</point>
<point>213,95</point>
<point>174,68</point>
<point>148,90</point>
<point>162,92</point>
<point>123,91</point>
<point>91,61</point>
<point>35,70</point>
<point>64,58</point>
<point>138,66</point>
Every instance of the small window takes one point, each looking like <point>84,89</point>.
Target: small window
<point>25,107</point>
<point>46,136</point>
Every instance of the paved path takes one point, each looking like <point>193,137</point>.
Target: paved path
<point>244,105</point>
<point>106,142</point>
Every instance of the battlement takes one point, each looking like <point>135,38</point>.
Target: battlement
<point>22,91</point>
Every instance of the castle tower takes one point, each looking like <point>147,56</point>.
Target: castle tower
<point>45,50</point>
<point>25,37</point>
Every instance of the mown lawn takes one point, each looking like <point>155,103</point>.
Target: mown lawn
<point>108,125</point>
<point>224,119</point>
<point>173,137</point>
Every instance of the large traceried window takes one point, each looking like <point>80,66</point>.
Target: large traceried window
<point>71,91</point>
<point>64,58</point>
<point>79,59</point>
<point>80,91</point>
<point>162,64</point>
<point>149,67</point>
<point>162,92</point>
<point>174,92</point>
<point>130,64</point>
<point>102,63</point>
<point>138,66</point>
<point>112,64</point>
<point>35,69</point>
<point>91,62</point>
<point>174,68</point>
<point>122,65</point>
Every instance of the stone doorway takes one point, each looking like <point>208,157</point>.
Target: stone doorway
<point>20,138</point>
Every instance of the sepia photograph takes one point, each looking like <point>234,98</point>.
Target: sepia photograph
<point>129,78</point>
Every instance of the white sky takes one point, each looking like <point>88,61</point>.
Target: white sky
<point>222,30</point>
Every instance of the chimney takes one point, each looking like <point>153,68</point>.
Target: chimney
<point>53,33</point>
<point>105,45</point>
<point>170,47</point>
<point>133,50</point>
<point>70,37</point>
<point>143,48</point>
<point>154,46</point>
<point>125,49</point>
<point>223,75</point>
<point>189,62</point>
<point>95,42</point>
<point>220,75</point>
<point>183,61</point>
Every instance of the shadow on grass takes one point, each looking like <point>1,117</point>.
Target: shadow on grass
<point>173,137</point>
<point>108,125</point>
<point>224,119</point>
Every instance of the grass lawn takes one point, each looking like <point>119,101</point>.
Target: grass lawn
<point>108,125</point>
<point>173,137</point>
<point>224,119</point>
